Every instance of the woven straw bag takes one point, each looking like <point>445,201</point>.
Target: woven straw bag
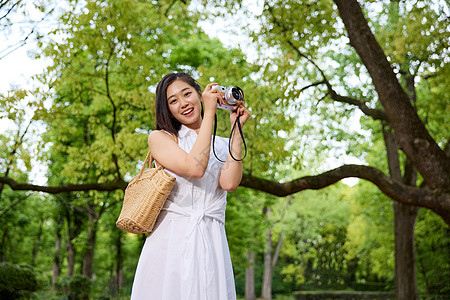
<point>144,198</point>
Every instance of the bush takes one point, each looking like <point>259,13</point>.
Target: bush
<point>17,281</point>
<point>75,287</point>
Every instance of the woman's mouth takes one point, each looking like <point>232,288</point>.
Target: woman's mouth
<point>188,112</point>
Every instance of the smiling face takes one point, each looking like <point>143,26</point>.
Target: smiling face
<point>184,104</point>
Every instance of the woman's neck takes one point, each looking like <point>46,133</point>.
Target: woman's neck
<point>195,126</point>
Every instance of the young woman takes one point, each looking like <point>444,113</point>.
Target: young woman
<point>186,256</point>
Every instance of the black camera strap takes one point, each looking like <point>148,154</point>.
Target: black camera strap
<point>229,140</point>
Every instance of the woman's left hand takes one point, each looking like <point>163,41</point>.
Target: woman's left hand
<point>239,111</point>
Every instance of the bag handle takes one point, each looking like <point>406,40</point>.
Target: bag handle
<point>149,158</point>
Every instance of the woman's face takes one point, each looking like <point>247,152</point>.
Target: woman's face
<point>184,103</point>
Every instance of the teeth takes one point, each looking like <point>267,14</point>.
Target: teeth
<point>188,111</point>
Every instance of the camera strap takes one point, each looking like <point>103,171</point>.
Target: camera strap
<point>229,140</point>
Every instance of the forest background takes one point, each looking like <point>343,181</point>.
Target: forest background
<point>323,91</point>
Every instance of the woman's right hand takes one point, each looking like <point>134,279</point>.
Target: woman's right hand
<point>211,97</point>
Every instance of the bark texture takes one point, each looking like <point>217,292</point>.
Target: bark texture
<point>410,132</point>
<point>88,257</point>
<point>270,260</point>
<point>56,261</point>
<point>250,277</point>
<point>119,262</point>
<point>405,266</point>
<point>70,258</point>
<point>266,287</point>
<point>404,223</point>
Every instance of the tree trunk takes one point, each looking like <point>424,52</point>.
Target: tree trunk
<point>56,261</point>
<point>88,257</point>
<point>269,260</point>
<point>277,251</point>
<point>38,243</point>
<point>404,219</point>
<point>410,133</point>
<point>73,229</point>
<point>266,289</point>
<point>71,251</point>
<point>2,245</point>
<point>405,265</point>
<point>119,265</point>
<point>250,277</point>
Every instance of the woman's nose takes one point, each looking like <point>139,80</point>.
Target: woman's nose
<point>184,103</point>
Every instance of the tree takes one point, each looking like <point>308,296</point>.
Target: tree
<point>31,16</point>
<point>295,40</point>
<point>433,164</point>
<point>107,59</point>
<point>284,32</point>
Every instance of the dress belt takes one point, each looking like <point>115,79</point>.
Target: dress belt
<point>198,254</point>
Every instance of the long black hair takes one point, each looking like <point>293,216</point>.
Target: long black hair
<point>164,119</point>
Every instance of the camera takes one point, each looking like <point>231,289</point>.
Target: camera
<point>233,96</point>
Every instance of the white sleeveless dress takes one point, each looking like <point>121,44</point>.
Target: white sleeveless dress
<point>187,256</point>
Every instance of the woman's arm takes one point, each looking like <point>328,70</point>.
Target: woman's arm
<point>231,174</point>
<point>193,164</point>
<point>167,152</point>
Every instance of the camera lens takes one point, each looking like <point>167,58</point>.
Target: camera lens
<point>236,94</point>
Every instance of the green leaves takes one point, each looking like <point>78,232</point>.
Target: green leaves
<point>108,57</point>
<point>307,24</point>
<point>370,236</point>
<point>432,240</point>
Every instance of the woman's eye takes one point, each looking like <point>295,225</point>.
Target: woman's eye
<point>172,101</point>
<point>187,94</point>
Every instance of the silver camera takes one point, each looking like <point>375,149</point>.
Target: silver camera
<point>233,96</point>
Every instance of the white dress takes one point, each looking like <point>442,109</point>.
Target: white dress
<point>187,256</point>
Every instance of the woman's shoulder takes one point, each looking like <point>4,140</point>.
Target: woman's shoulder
<point>158,135</point>
<point>154,136</point>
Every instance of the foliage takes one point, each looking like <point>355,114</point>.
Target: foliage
<point>370,237</point>
<point>424,62</point>
<point>17,281</point>
<point>432,239</point>
<point>75,286</point>
<point>315,226</point>
<point>97,111</point>
<point>107,58</point>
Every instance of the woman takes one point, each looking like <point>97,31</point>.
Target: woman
<point>186,256</point>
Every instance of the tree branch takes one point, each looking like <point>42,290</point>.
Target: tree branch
<point>10,9</point>
<point>277,251</point>
<point>64,188</point>
<point>14,203</point>
<point>376,114</point>
<point>113,125</point>
<point>436,200</point>
<point>25,40</point>
<point>410,133</point>
<point>18,143</point>
<point>312,85</point>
